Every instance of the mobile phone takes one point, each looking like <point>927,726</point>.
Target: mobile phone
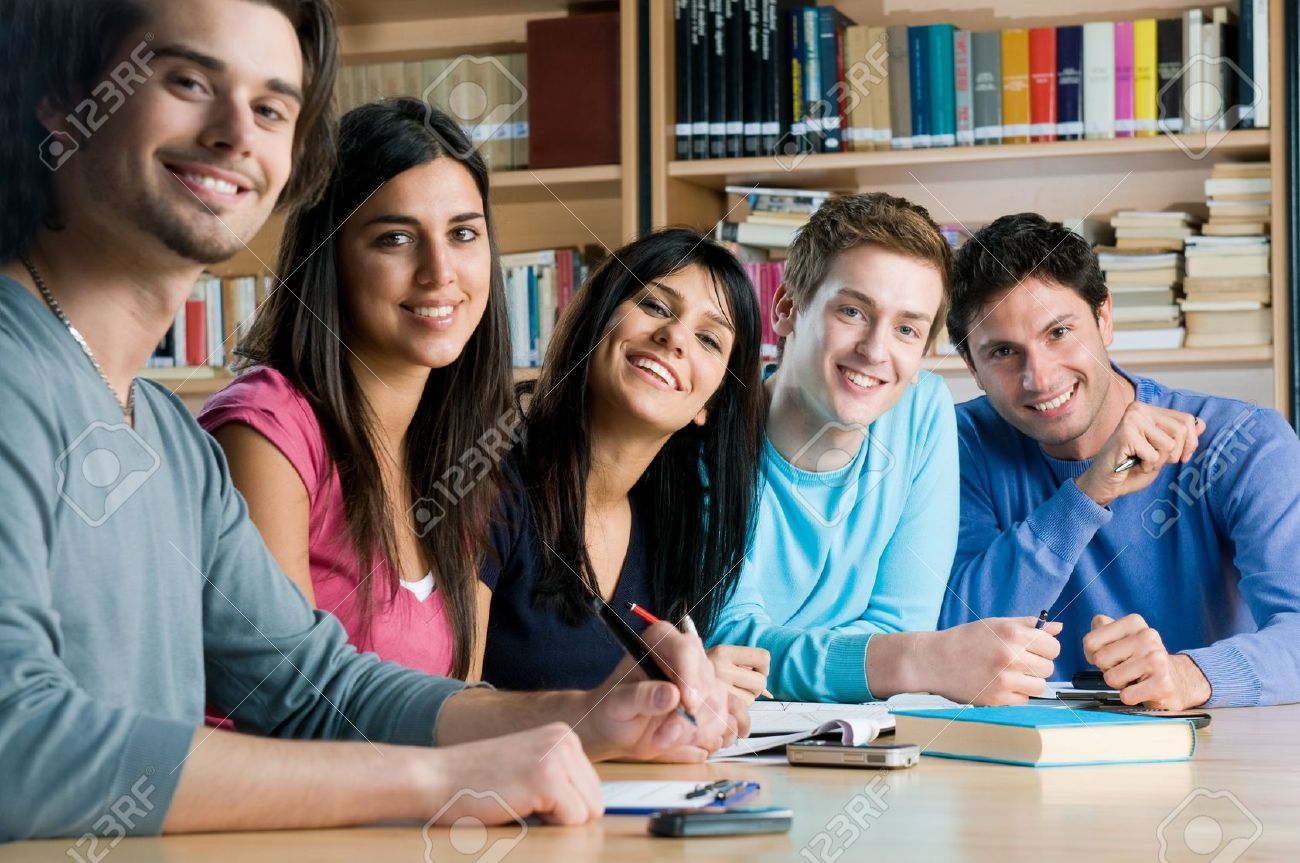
<point>828,753</point>
<point>721,821</point>
<point>1089,678</point>
<point>1198,719</point>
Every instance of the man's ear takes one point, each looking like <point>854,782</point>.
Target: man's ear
<point>784,312</point>
<point>1106,322</point>
<point>702,417</point>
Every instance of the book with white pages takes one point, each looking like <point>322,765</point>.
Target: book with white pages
<point>773,724</point>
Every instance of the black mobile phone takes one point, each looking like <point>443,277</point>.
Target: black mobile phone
<point>721,821</point>
<point>1198,719</point>
<point>1089,678</point>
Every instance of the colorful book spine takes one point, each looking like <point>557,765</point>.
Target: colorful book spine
<point>942,85</point>
<point>961,61</point>
<point>900,88</point>
<point>1125,126</point>
<point>1169,67</point>
<point>1042,84</point>
<point>858,135</point>
<point>986,86</point>
<point>1144,77</point>
<point>1015,86</point>
<point>918,58</point>
<point>1099,80</point>
<point>880,86</point>
<point>798,140</point>
<point>831,102</point>
<point>812,76</point>
<point>1069,83</point>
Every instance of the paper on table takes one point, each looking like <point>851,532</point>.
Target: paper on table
<point>635,798</point>
<point>853,732</point>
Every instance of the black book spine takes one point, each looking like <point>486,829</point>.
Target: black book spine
<point>735,50</point>
<point>752,86</point>
<point>700,79</point>
<point>1169,67</point>
<point>682,34</point>
<point>717,79</point>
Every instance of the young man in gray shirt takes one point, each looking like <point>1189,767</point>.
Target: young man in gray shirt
<point>133,587</point>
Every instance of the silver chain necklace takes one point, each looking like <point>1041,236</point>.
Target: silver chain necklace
<point>128,406</point>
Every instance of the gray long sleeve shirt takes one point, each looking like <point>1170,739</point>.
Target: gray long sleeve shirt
<point>133,590</point>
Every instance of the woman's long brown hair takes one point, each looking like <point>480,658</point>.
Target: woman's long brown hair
<point>465,405</point>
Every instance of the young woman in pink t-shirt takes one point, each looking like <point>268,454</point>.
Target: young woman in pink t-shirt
<point>375,367</point>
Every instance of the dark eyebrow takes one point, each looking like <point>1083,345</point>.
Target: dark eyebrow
<point>1068,317</point>
<point>398,219</point>
<point>713,315</point>
<point>214,64</point>
<point>868,301</point>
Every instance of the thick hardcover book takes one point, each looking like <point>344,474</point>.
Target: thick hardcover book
<point>831,101</point>
<point>779,109</point>
<point>798,140</point>
<point>752,78</point>
<point>1042,84</point>
<point>1099,80</point>
<point>1033,736</point>
<point>1069,83</point>
<point>812,77</point>
<point>986,86</point>
<point>719,72</point>
<point>877,76</point>
<point>961,67</point>
<point>559,78</point>
<point>1124,121</point>
<point>1144,77</point>
<point>700,90</point>
<point>1193,79</point>
<point>858,130</point>
<point>1015,86</point>
<point>1262,99</point>
<point>682,36</point>
<point>941,85</point>
<point>900,89</point>
<point>918,58</point>
<point>734,50</point>
<point>1169,66</point>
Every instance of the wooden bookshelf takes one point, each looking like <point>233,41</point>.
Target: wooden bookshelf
<point>973,185</point>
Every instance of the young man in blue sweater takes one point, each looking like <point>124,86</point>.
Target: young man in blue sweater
<point>857,520</point>
<point>1177,577</point>
<point>133,587</point>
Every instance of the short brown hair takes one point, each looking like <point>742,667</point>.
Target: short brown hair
<point>871,218</point>
<point>64,47</point>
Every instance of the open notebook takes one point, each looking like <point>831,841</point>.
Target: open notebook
<point>773,724</point>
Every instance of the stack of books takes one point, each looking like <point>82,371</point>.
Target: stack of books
<point>1238,197</point>
<point>759,77</point>
<point>768,218</point>
<point>216,316</point>
<point>1228,292</point>
<point>1152,231</point>
<point>1143,287</point>
<point>538,287</point>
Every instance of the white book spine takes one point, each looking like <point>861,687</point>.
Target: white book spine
<point>1260,72</point>
<point>1099,79</point>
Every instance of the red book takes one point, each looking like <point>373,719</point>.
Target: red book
<point>1042,84</point>
<point>196,333</point>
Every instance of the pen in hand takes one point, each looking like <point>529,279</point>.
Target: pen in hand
<point>686,625</point>
<point>636,647</point>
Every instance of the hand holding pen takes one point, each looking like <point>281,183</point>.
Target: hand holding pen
<point>1146,439</point>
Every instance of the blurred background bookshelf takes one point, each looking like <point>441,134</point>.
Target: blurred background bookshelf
<point>593,206</point>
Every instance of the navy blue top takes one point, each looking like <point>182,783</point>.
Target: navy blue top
<point>530,646</point>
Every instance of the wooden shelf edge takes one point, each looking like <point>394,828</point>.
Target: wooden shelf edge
<point>1225,356</point>
<point>204,382</point>
<point>527,177</point>
<point>715,171</point>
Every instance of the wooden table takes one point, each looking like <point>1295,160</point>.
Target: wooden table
<point>1244,782</point>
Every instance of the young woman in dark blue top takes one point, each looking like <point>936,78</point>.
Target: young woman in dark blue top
<point>636,474</point>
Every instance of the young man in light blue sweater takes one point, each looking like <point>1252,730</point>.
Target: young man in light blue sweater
<point>1176,577</point>
<point>133,587</point>
<point>858,515</point>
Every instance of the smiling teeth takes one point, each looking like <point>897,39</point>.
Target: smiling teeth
<point>213,183</point>
<point>1055,403</point>
<point>860,380</point>
<point>433,312</point>
<point>655,369</point>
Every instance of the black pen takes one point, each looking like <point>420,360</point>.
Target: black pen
<point>635,646</point>
<point>1042,619</point>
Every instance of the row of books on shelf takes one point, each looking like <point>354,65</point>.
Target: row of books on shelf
<point>517,107</point>
<point>538,287</point>
<point>757,77</point>
<point>215,317</point>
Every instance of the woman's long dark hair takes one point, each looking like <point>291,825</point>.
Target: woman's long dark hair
<point>699,493</point>
<point>463,404</point>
